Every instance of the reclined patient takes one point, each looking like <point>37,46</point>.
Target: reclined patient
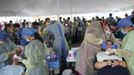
<point>13,69</point>
<point>110,64</point>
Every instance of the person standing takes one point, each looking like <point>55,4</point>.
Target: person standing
<point>127,49</point>
<point>91,45</point>
<point>60,44</point>
<point>7,48</point>
<point>34,53</point>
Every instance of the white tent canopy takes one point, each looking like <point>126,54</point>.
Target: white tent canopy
<point>54,7</point>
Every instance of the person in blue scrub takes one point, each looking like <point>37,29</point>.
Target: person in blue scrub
<point>60,44</point>
<point>7,48</point>
<point>34,54</point>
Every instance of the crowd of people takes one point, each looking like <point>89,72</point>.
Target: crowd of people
<point>100,36</point>
<point>106,40</point>
<point>36,39</point>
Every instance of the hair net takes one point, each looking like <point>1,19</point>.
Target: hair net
<point>124,23</point>
<point>3,35</point>
<point>28,32</point>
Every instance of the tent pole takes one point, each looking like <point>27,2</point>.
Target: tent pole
<point>71,11</point>
<point>58,10</point>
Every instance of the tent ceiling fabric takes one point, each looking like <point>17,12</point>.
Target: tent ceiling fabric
<point>49,7</point>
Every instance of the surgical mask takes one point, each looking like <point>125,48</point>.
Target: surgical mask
<point>2,42</point>
<point>27,40</point>
<point>124,32</point>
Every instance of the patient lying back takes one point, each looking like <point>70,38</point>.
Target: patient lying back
<point>14,69</point>
<point>110,64</point>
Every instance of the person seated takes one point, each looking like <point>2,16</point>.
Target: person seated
<point>110,64</point>
<point>109,45</point>
<point>14,69</point>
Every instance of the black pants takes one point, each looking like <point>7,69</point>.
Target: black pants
<point>108,70</point>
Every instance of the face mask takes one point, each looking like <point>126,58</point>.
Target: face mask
<point>27,40</point>
<point>1,42</point>
<point>124,32</point>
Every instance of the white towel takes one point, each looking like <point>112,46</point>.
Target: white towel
<point>101,56</point>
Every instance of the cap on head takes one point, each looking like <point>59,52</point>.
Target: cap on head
<point>124,23</point>
<point>28,32</point>
<point>3,35</point>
